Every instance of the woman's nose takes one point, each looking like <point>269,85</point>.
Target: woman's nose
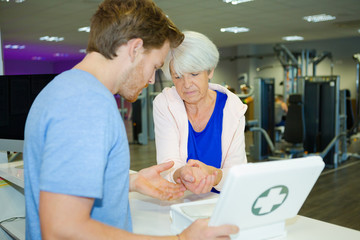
<point>187,82</point>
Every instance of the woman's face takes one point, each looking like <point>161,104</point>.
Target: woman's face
<point>192,87</point>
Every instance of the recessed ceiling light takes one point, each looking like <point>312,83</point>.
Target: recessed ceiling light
<point>234,29</point>
<point>82,51</point>
<point>14,46</point>
<point>235,2</point>
<point>51,39</point>
<point>319,18</point>
<point>61,55</point>
<point>84,29</point>
<point>293,38</point>
<point>36,58</point>
<point>16,1</point>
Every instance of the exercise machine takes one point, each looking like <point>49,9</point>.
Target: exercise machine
<point>356,125</point>
<point>322,116</point>
<point>291,67</point>
<point>264,123</point>
<point>324,120</point>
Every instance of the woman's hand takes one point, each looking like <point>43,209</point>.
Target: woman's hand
<point>197,177</point>
<point>208,170</point>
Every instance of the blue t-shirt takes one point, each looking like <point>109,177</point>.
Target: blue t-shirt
<point>76,144</point>
<point>205,146</point>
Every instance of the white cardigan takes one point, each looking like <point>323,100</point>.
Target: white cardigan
<point>171,131</point>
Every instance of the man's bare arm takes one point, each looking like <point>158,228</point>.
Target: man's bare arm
<point>68,217</point>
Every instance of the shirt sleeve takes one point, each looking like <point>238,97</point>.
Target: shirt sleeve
<point>167,137</point>
<point>76,147</point>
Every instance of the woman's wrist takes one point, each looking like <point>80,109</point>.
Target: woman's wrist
<point>176,175</point>
<point>219,176</point>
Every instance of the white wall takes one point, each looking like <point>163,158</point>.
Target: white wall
<point>226,71</point>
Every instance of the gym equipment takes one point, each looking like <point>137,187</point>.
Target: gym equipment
<point>356,125</point>
<point>294,132</point>
<point>263,126</point>
<point>291,67</point>
<point>316,60</point>
<point>322,117</point>
<point>140,118</point>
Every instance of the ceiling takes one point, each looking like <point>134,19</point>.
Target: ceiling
<point>268,21</point>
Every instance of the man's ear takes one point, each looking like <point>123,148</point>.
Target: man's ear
<point>135,47</point>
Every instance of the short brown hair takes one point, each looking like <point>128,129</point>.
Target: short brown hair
<point>118,21</point>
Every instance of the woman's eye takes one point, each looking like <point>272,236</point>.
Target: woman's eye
<point>194,74</point>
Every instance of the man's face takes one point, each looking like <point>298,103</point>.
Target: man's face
<point>143,71</point>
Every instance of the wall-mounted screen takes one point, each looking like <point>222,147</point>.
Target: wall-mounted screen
<point>17,93</point>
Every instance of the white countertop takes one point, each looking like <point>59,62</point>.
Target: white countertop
<point>13,172</point>
<point>152,217</point>
<point>12,199</point>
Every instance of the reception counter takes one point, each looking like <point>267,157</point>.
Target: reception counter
<point>150,216</point>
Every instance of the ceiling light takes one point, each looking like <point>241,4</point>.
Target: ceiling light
<point>82,51</point>
<point>10,46</point>
<point>61,55</point>
<point>84,29</point>
<point>235,2</point>
<point>36,58</point>
<point>16,1</point>
<point>319,18</point>
<point>234,29</point>
<point>51,39</point>
<point>358,30</point>
<point>293,38</point>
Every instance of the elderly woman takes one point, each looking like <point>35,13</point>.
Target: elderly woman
<point>198,125</point>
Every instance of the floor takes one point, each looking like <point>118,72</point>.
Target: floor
<point>335,197</point>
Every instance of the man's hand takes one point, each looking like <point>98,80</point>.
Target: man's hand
<point>200,230</point>
<point>149,182</point>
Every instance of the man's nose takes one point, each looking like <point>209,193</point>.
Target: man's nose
<point>152,79</point>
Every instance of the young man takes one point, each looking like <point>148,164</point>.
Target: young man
<point>76,154</point>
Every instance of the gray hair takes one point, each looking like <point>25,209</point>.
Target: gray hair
<point>195,54</point>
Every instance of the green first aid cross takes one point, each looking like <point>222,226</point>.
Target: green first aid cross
<point>270,200</point>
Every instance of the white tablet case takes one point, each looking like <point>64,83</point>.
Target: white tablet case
<point>258,197</point>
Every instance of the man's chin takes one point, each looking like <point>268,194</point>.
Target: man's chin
<point>134,98</point>
<point>131,100</point>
